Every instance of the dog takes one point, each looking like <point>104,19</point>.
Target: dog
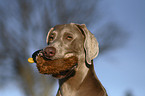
<point>69,58</point>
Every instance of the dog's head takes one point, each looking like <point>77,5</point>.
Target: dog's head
<point>68,45</point>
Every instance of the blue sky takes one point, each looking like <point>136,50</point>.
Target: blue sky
<point>125,67</point>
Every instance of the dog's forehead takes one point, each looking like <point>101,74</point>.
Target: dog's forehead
<point>66,28</point>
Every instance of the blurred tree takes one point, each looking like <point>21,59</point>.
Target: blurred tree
<point>129,93</point>
<point>23,28</point>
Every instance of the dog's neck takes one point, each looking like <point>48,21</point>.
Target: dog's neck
<point>85,79</point>
<point>72,84</point>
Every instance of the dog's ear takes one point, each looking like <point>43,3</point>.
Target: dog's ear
<point>48,35</point>
<point>90,44</point>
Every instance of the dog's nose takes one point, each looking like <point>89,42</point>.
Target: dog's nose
<point>49,52</point>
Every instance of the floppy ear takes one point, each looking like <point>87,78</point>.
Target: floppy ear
<point>90,44</point>
<point>48,35</point>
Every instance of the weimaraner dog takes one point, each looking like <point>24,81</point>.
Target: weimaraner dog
<point>69,57</point>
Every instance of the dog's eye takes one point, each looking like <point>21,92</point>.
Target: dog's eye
<point>51,37</point>
<point>69,37</point>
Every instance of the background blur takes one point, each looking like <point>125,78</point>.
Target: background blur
<point>118,25</point>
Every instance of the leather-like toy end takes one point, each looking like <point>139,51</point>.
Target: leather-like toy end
<point>36,54</point>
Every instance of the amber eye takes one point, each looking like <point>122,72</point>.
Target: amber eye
<point>51,37</point>
<point>69,37</point>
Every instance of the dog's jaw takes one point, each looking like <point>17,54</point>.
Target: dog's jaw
<point>65,74</point>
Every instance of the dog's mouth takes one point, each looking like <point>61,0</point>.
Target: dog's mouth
<point>59,68</point>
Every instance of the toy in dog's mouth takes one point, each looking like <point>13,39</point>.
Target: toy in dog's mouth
<point>59,68</point>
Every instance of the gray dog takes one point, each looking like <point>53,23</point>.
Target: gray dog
<point>69,57</point>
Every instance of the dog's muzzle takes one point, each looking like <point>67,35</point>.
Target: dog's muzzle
<point>59,68</point>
